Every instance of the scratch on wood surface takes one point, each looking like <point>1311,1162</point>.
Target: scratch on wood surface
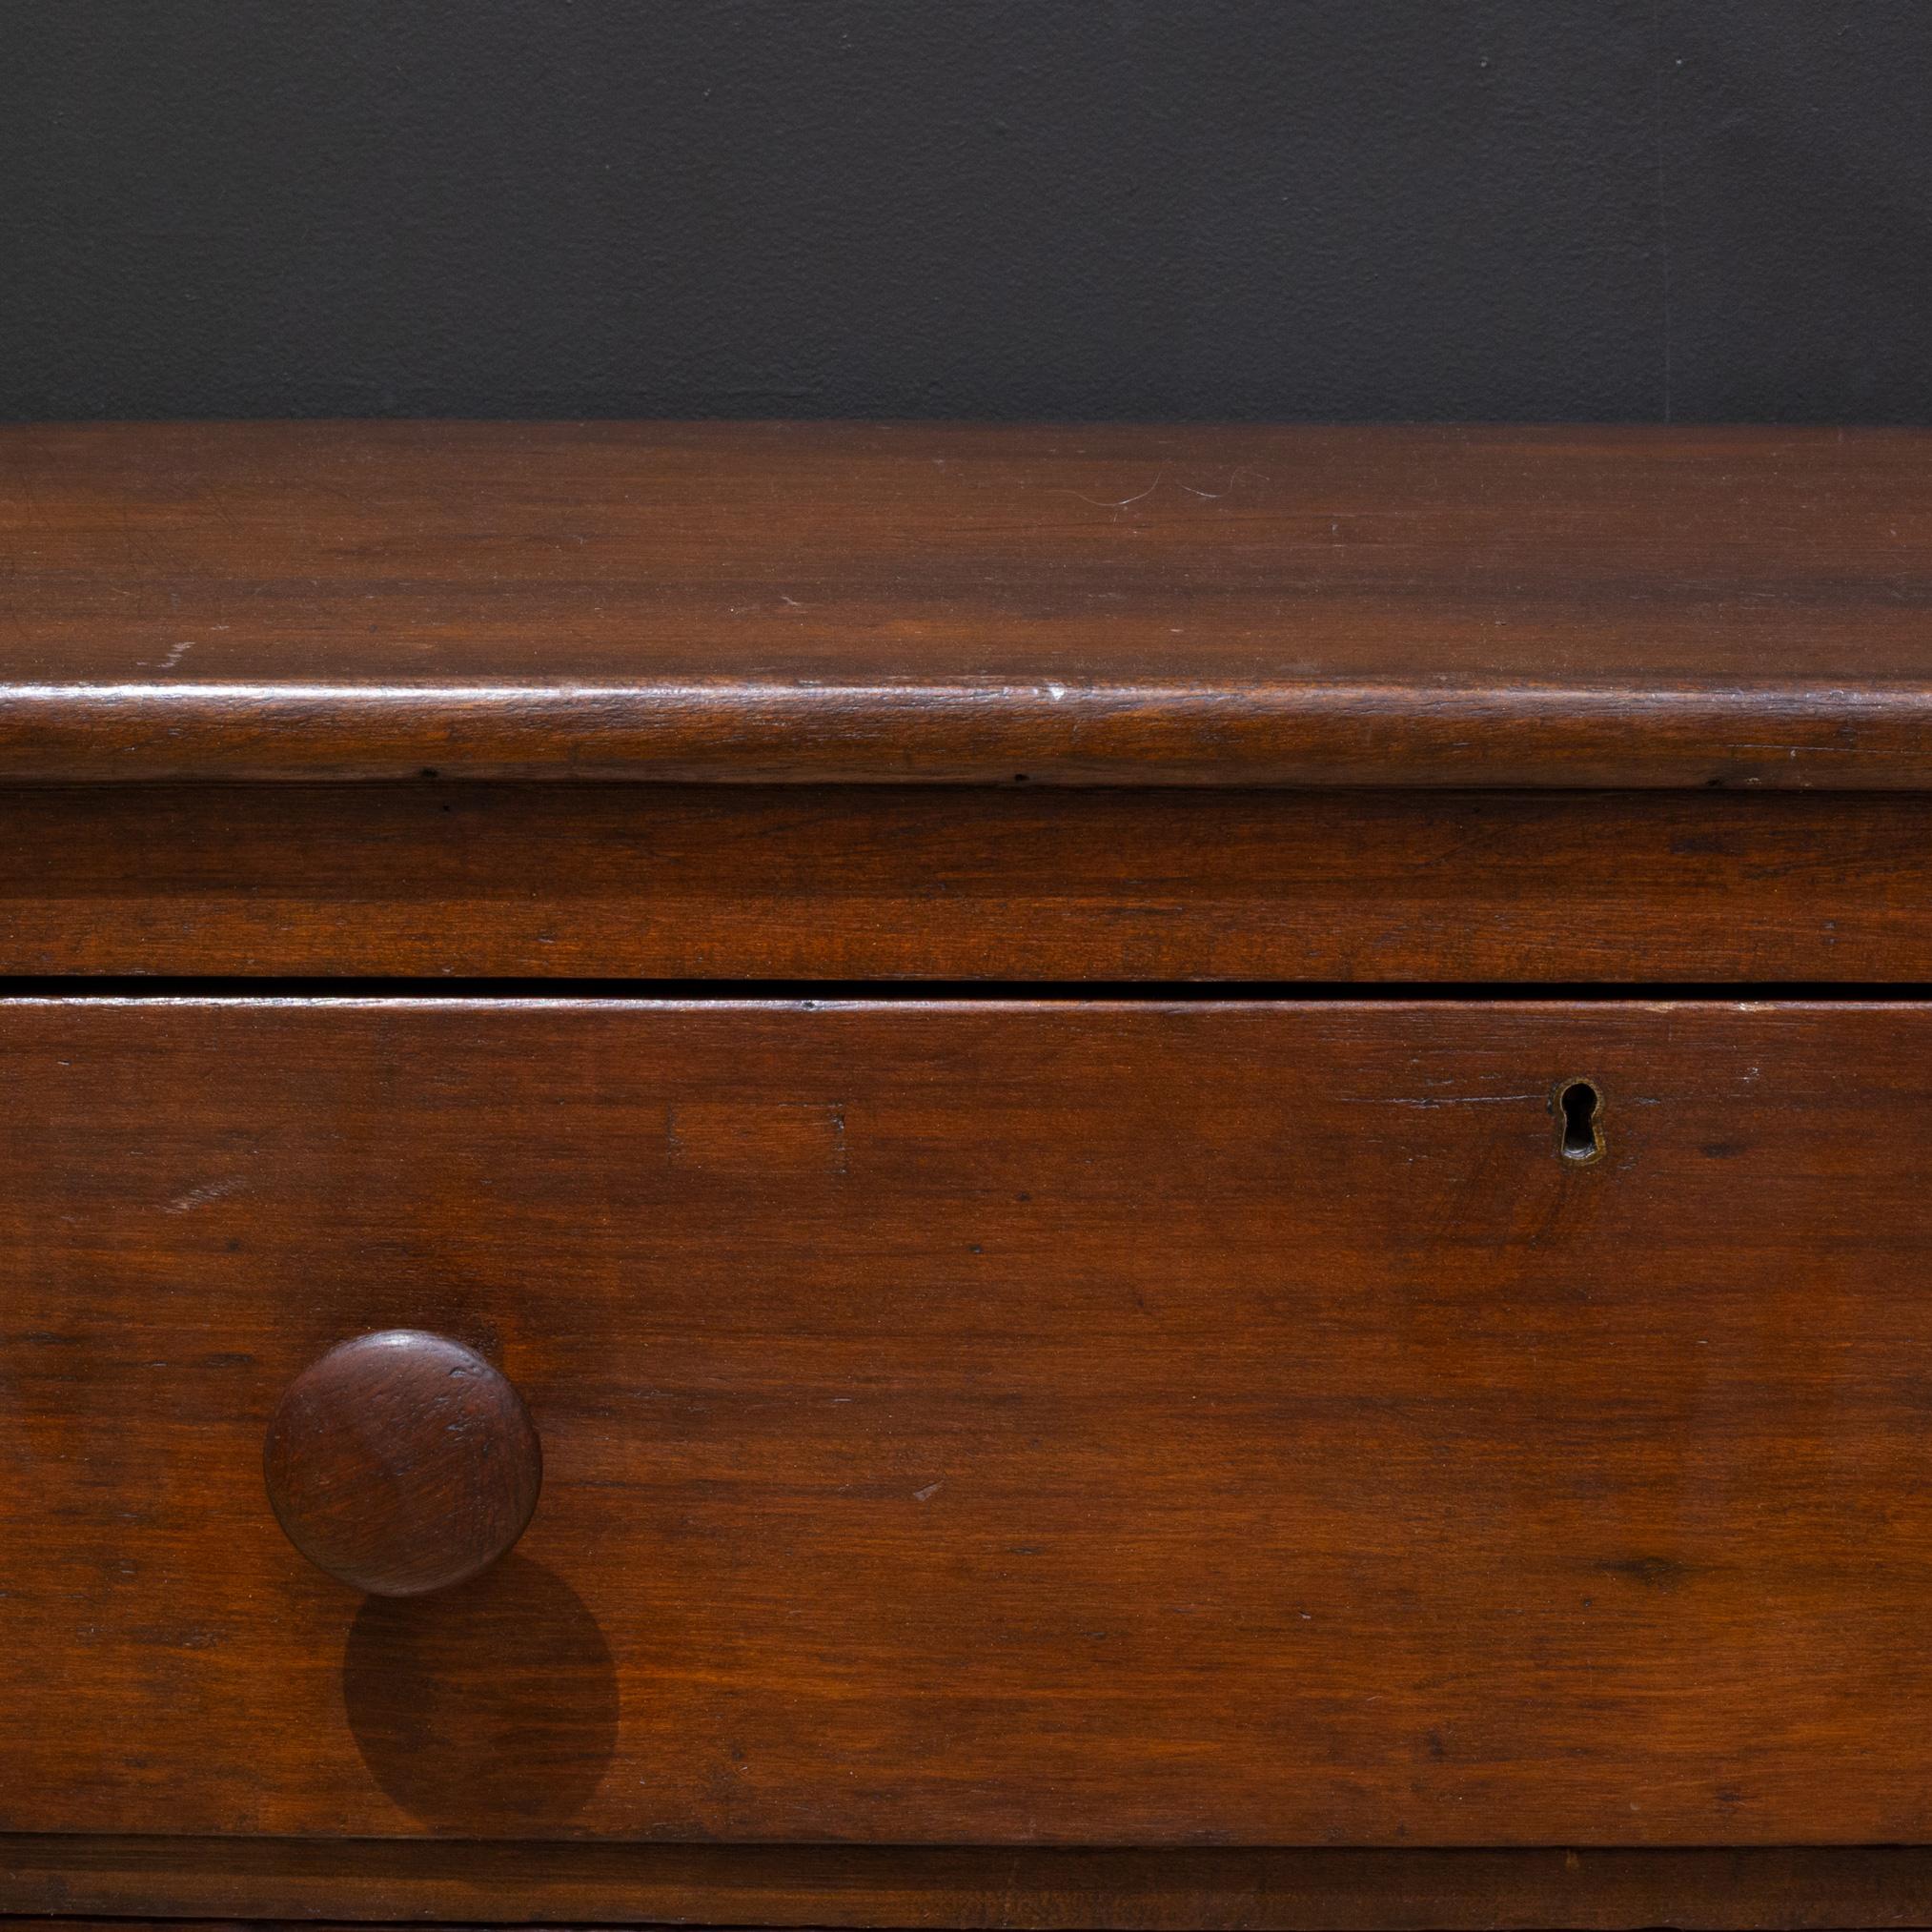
<point>200,1197</point>
<point>1435,1100</point>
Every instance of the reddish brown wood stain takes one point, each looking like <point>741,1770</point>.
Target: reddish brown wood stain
<point>1101,604</point>
<point>402,1463</point>
<point>869,882</point>
<point>1134,1425</point>
<point>1168,1464</point>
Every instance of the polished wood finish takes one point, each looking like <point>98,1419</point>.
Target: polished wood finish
<point>1004,1889</point>
<point>876,883</point>
<point>1100,605</point>
<point>402,1462</point>
<point>1182,1461</point>
<point>1002,1423</point>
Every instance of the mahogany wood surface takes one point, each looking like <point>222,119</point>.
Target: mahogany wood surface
<point>1015,1423</point>
<point>1159,1463</point>
<point>402,1463</point>
<point>1102,604</point>
<point>878,882</point>
<point>1788,1889</point>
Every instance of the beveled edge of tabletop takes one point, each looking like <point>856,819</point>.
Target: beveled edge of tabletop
<point>1109,604</point>
<point>1253,735</point>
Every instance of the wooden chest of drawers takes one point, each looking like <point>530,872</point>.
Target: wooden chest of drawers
<point>890,1176</point>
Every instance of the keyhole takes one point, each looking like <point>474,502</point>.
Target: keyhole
<point>1581,1108</point>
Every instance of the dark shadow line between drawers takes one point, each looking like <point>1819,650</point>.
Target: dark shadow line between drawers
<point>1020,1888</point>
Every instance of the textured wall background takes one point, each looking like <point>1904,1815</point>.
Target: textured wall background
<point>1164,208</point>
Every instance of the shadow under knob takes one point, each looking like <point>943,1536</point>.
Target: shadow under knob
<point>402,1462</point>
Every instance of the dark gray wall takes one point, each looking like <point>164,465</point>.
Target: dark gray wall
<point>1708,209</point>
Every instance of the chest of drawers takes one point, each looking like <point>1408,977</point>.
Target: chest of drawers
<point>884,1176</point>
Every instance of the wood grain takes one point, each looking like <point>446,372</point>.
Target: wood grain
<point>1794,1889</point>
<point>876,883</point>
<point>1102,604</point>
<point>1026,1424</point>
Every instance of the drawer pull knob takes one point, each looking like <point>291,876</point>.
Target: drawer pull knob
<point>402,1462</point>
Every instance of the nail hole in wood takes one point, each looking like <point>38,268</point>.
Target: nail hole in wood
<point>1579,1113</point>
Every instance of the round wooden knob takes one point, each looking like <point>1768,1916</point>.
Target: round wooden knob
<point>402,1462</point>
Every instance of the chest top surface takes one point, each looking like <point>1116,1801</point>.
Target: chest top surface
<point>1115,604</point>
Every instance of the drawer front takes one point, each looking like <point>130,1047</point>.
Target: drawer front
<point>985,1422</point>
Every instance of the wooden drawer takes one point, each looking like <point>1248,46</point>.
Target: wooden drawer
<point>994,1422</point>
